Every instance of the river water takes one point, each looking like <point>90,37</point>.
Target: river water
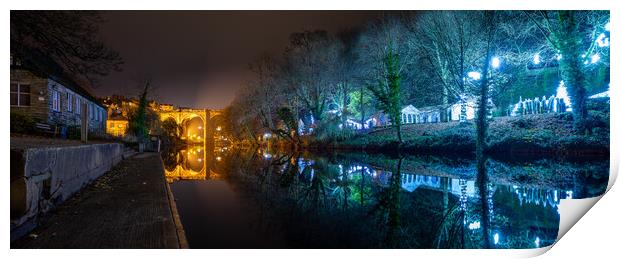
<point>260,199</point>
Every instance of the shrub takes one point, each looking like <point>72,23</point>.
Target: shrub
<point>524,123</point>
<point>22,123</point>
<point>74,132</point>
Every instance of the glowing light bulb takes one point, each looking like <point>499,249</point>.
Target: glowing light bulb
<point>602,40</point>
<point>474,75</point>
<point>495,62</point>
<point>536,59</point>
<point>595,58</point>
<point>474,225</point>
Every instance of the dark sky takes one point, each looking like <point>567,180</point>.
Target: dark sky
<point>199,58</point>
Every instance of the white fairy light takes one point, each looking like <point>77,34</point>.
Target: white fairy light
<point>536,59</point>
<point>474,75</point>
<point>561,92</point>
<point>602,40</point>
<point>495,62</point>
<point>595,58</point>
<point>474,225</point>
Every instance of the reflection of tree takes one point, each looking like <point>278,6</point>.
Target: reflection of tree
<point>482,182</point>
<point>451,231</point>
<point>343,188</point>
<point>314,196</point>
<point>170,158</point>
<point>388,208</point>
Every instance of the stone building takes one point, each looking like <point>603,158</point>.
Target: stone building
<point>117,126</point>
<point>468,104</point>
<point>53,99</point>
<point>118,110</point>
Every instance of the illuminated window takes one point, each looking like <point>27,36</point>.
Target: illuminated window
<point>55,100</point>
<point>69,102</point>
<point>78,105</point>
<point>20,94</point>
<point>91,112</point>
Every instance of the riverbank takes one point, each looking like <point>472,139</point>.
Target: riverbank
<point>128,207</point>
<point>539,134</point>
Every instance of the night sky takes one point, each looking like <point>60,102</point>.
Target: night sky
<point>199,58</point>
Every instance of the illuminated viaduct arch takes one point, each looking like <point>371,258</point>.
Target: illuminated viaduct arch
<point>185,114</point>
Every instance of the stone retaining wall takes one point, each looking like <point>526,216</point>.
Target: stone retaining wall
<point>42,178</point>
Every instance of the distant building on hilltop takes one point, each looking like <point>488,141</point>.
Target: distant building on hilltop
<point>120,109</point>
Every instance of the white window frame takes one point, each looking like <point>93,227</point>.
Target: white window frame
<point>19,93</point>
<point>69,102</point>
<point>91,112</point>
<point>55,100</point>
<point>78,105</point>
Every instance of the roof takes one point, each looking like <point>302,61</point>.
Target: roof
<point>600,95</point>
<point>47,68</point>
<point>409,108</point>
<point>434,107</point>
<point>117,117</point>
<point>68,83</point>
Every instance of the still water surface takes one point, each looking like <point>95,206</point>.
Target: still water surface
<point>258,199</point>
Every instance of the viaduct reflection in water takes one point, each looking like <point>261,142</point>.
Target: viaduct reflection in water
<point>195,162</point>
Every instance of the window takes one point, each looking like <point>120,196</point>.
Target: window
<point>20,94</point>
<point>55,100</point>
<point>15,61</point>
<point>69,102</point>
<point>91,113</point>
<point>78,105</point>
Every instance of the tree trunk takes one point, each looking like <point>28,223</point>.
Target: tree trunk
<point>571,68</point>
<point>481,118</point>
<point>362,106</point>
<point>482,180</point>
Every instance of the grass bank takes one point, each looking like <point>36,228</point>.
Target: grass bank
<point>540,134</point>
